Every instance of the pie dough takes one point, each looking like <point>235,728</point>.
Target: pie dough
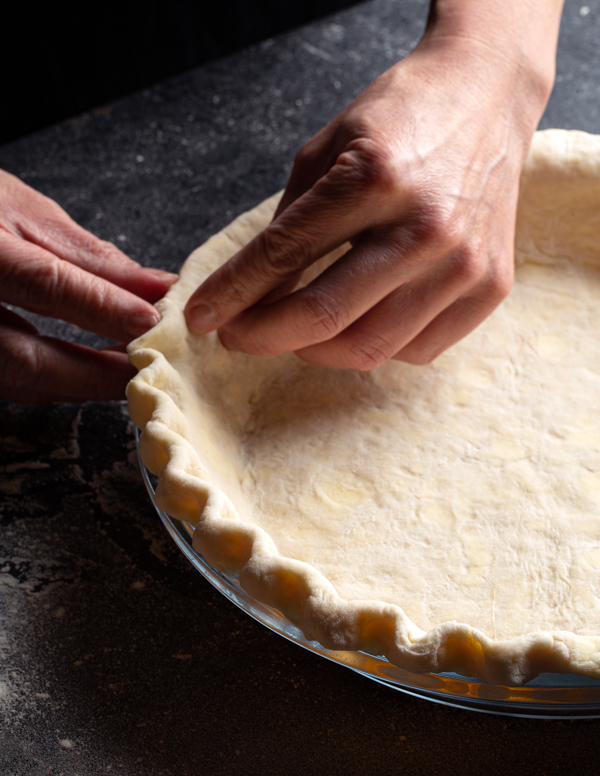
<point>446,517</point>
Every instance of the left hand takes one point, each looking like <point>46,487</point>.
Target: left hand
<point>51,266</point>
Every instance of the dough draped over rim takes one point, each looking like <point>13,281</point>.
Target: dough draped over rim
<point>446,517</point>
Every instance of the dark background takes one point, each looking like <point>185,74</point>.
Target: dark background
<point>58,59</point>
<point>116,657</point>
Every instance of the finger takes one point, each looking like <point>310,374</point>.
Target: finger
<point>10,318</point>
<point>119,348</point>
<point>312,162</point>
<point>347,200</point>
<point>41,221</point>
<point>344,292</point>
<point>282,290</point>
<point>394,322</point>
<point>38,281</point>
<point>72,243</point>
<point>455,322</point>
<point>39,369</point>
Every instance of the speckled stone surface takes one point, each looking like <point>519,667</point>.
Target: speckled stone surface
<point>115,655</point>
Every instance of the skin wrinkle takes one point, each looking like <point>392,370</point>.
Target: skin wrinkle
<point>373,353</point>
<point>42,234</point>
<point>46,283</point>
<point>19,279</point>
<point>23,369</point>
<point>323,313</point>
<point>281,256</point>
<point>82,248</point>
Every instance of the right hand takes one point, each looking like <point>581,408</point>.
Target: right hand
<point>51,266</point>
<point>420,174</point>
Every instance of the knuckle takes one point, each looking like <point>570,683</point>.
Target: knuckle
<point>500,283</point>
<point>95,253</point>
<point>102,249</point>
<point>94,296</point>
<point>232,285</point>
<point>370,353</point>
<point>322,314</point>
<point>279,253</point>
<point>99,253</point>
<point>442,223</point>
<point>21,362</point>
<point>49,287</point>
<point>443,228</point>
<point>35,283</point>
<point>308,153</point>
<point>470,265</point>
<point>369,165</point>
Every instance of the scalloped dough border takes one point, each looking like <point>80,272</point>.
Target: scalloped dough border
<point>186,491</point>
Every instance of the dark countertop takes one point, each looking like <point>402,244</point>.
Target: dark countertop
<point>115,655</point>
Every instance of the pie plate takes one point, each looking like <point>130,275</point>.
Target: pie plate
<point>421,525</point>
<point>548,696</point>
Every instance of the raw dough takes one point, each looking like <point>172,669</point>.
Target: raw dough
<point>448,516</point>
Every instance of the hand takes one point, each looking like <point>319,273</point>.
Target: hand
<point>420,174</point>
<point>51,266</point>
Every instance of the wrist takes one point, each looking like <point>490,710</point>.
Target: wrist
<point>513,41</point>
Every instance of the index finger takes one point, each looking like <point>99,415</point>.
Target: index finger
<point>29,214</point>
<point>340,205</point>
<point>35,280</point>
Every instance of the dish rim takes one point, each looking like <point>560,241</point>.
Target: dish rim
<point>548,696</point>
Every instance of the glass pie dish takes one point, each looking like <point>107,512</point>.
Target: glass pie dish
<point>562,696</point>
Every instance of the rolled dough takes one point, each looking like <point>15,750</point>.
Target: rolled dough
<point>448,516</point>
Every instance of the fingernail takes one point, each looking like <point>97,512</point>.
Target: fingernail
<point>139,324</point>
<point>228,341</point>
<point>201,317</point>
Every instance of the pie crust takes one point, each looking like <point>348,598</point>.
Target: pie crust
<point>446,517</point>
